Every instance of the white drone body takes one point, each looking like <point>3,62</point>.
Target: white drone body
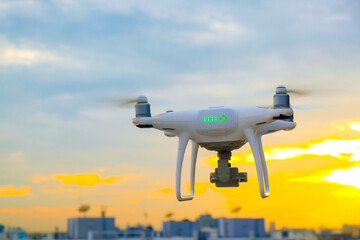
<point>221,129</point>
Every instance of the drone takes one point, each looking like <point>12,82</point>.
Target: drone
<point>221,129</point>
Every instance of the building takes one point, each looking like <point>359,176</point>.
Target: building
<point>285,233</point>
<point>2,232</point>
<point>184,229</point>
<point>206,221</point>
<point>138,232</point>
<point>241,228</point>
<point>326,234</point>
<point>16,233</point>
<point>352,230</point>
<point>272,226</point>
<point>93,228</point>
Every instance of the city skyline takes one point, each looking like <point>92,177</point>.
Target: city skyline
<point>63,144</point>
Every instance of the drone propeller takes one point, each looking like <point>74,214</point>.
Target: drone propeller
<point>300,92</point>
<point>281,90</point>
<point>126,102</point>
<point>296,92</point>
<point>121,102</point>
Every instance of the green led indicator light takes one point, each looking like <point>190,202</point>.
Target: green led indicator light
<point>221,118</point>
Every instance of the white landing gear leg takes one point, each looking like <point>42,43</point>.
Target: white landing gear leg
<point>183,141</point>
<point>258,153</point>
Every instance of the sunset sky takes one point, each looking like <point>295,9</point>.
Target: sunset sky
<point>63,144</point>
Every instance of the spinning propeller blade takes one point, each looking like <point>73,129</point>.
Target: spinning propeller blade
<point>121,102</point>
<point>300,92</point>
<point>295,92</point>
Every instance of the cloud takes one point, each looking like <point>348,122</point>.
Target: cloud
<point>355,126</point>
<point>11,190</point>
<point>11,56</point>
<point>37,211</point>
<point>341,149</point>
<point>344,176</point>
<point>214,32</point>
<point>350,176</point>
<point>348,150</point>
<point>335,18</point>
<point>17,156</point>
<point>167,190</point>
<point>28,54</point>
<point>86,179</point>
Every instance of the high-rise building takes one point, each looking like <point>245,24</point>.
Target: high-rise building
<point>241,228</point>
<point>352,230</point>
<point>96,228</point>
<point>286,233</point>
<point>206,221</point>
<point>138,232</point>
<point>272,226</point>
<point>183,228</point>
<point>16,233</point>
<point>2,232</point>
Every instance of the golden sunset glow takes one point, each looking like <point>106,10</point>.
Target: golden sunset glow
<point>10,190</point>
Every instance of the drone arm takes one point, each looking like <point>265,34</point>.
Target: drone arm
<point>258,153</point>
<point>275,126</point>
<point>141,121</point>
<point>183,141</point>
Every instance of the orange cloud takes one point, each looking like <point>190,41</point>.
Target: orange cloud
<point>166,190</point>
<point>86,179</point>
<point>11,190</point>
<point>17,156</point>
<point>39,179</point>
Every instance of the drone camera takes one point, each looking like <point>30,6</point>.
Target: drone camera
<point>234,179</point>
<point>225,175</point>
